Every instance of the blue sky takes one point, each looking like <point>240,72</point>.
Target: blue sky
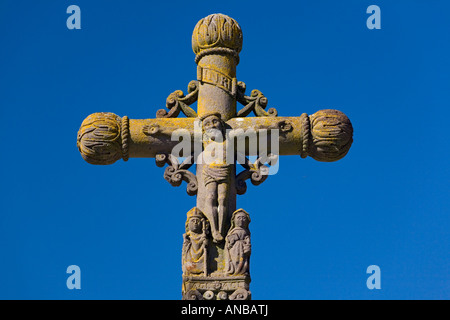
<point>316,227</point>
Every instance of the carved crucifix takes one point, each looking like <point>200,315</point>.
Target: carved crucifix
<point>216,247</point>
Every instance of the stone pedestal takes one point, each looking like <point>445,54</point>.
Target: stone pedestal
<point>216,288</point>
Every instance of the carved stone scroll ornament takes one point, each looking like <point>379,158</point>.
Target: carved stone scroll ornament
<point>193,295</point>
<point>240,294</point>
<point>175,173</point>
<point>257,172</point>
<point>256,102</point>
<point>177,102</point>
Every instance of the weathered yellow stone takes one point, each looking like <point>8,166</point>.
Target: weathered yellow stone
<point>104,138</point>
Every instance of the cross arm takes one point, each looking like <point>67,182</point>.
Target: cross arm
<point>325,135</point>
<point>104,137</point>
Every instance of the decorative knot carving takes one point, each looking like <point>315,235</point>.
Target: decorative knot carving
<point>306,135</point>
<point>125,134</point>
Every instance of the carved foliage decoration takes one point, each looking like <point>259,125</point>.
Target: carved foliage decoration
<point>256,102</point>
<point>177,102</point>
<point>175,173</point>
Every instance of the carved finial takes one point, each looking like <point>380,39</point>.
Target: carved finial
<point>327,135</point>
<point>217,33</point>
<point>102,140</point>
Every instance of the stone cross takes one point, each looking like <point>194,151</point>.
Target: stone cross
<point>216,248</point>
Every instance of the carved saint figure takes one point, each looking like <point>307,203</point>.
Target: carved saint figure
<point>216,173</point>
<point>195,243</point>
<point>237,244</point>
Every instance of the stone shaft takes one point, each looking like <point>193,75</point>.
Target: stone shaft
<point>217,93</point>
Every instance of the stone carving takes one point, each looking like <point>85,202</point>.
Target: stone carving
<point>285,127</point>
<point>216,247</point>
<point>177,102</point>
<point>237,244</point>
<point>195,244</point>
<point>151,130</point>
<point>208,295</point>
<point>217,33</point>
<point>125,135</point>
<point>256,102</point>
<point>223,287</point>
<point>99,139</point>
<point>216,173</point>
<point>240,294</point>
<point>222,295</point>
<point>327,135</point>
<point>193,295</point>
<point>216,78</point>
<point>257,172</point>
<point>176,172</point>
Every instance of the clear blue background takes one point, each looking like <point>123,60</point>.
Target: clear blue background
<point>316,226</point>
